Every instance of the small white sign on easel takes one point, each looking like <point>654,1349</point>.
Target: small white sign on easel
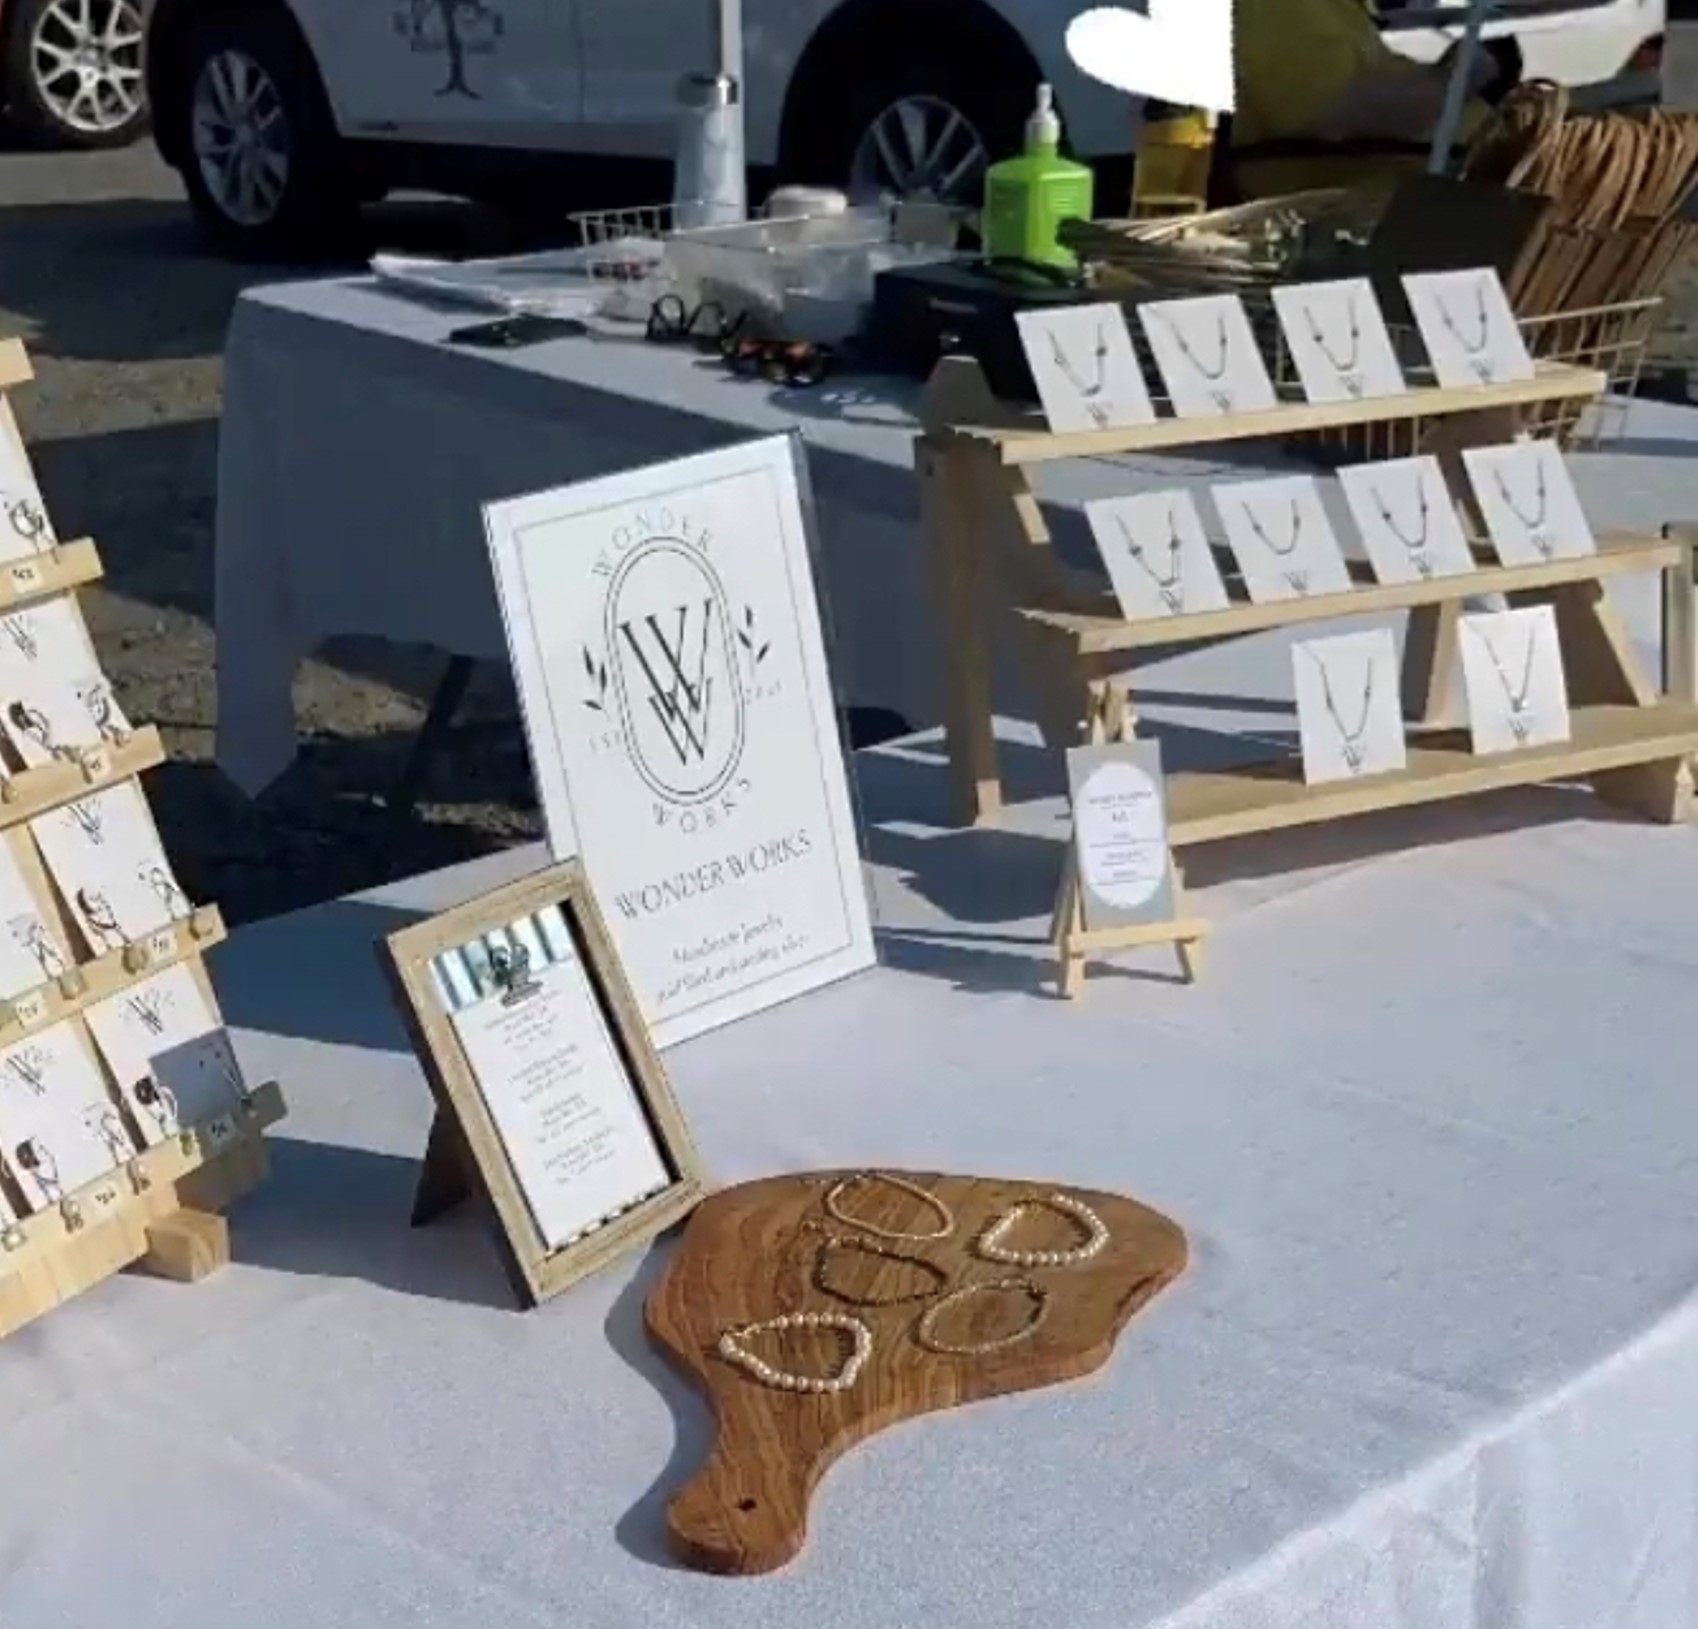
<point>1280,535</point>
<point>1512,670</point>
<point>1349,706</point>
<point>1338,340</point>
<point>1407,518</point>
<point>1528,501</point>
<point>1208,356</point>
<point>1470,331</point>
<point>1120,833</point>
<point>1085,369</point>
<point>1157,554</point>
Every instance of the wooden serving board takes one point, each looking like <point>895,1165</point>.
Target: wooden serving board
<point>774,1248</point>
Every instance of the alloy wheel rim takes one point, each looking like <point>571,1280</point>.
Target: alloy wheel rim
<point>85,58</point>
<point>920,147</point>
<point>241,138</point>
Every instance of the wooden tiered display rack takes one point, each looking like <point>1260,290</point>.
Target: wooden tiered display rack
<point>999,577</point>
<point>162,1209</point>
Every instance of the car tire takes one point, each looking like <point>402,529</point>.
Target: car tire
<point>53,100</point>
<point>246,76</point>
<point>988,85</point>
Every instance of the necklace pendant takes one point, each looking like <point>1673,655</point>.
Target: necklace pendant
<point>1543,543</point>
<point>1353,757</point>
<point>1520,726</point>
<point>1423,566</point>
<point>1353,385</point>
<point>1222,400</point>
<point>1173,599</point>
<point>1297,581</point>
<point>1482,370</point>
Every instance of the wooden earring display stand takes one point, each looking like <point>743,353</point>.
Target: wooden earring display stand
<point>998,575</point>
<point>162,1209</point>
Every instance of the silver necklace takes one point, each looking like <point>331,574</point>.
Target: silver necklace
<point>1037,1299</point>
<point>1520,725</point>
<point>1213,376</point>
<point>733,1348</point>
<point>992,1248</point>
<point>1170,586</point>
<point>1349,740</point>
<point>1089,394</point>
<point>1479,363</point>
<point>834,1205</point>
<point>1538,537</point>
<point>1298,580</point>
<point>1346,369</point>
<point>1416,546</point>
<point>833,1243</point>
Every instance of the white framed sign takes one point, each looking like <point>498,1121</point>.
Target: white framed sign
<point>1512,671</point>
<point>1338,340</point>
<point>1085,369</point>
<point>1408,521</point>
<point>1349,706</point>
<point>1157,554</point>
<point>1120,833</point>
<point>1280,535</point>
<point>24,526</point>
<point>1208,356</point>
<point>1528,502</point>
<point>666,639</point>
<point>1470,332</point>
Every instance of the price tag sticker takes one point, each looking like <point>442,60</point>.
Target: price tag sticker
<point>104,1198</point>
<point>31,1008</point>
<point>26,576</point>
<point>162,946</point>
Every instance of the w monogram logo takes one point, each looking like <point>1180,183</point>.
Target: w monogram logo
<point>675,669</point>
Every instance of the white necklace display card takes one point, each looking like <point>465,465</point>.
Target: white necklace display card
<point>546,1064</point>
<point>1157,554</point>
<point>1408,521</point>
<point>1208,356</point>
<point>31,949</point>
<point>1120,833</point>
<point>58,1127</point>
<point>1085,369</point>
<point>1527,499</point>
<point>54,699</point>
<point>1512,671</point>
<point>106,860</point>
<point>667,643</point>
<point>1471,334</point>
<point>1349,706</point>
<point>24,526</point>
<point>168,1053</point>
<point>1280,535</point>
<point>1338,340</point>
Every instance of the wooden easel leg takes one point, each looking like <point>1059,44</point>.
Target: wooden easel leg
<point>442,1177</point>
<point>1065,926</point>
<point>186,1246</point>
<point>1429,663</point>
<point>1190,950</point>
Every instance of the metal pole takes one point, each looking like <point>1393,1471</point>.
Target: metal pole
<point>1456,92</point>
<point>728,38</point>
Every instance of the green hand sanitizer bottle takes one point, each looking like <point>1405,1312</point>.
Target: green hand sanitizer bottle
<point>1027,198</point>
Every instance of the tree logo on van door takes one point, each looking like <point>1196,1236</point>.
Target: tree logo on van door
<point>458,29</point>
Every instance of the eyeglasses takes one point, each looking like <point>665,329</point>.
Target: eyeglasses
<point>708,327</point>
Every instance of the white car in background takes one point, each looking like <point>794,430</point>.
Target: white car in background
<point>284,115</point>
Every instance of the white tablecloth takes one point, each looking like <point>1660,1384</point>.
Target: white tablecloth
<point>1429,1123</point>
<point>357,447</point>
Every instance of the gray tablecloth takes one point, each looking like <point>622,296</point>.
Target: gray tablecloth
<point>1428,1121</point>
<point>357,448</point>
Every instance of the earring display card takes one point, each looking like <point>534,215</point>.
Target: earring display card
<point>1208,356</point>
<point>24,526</point>
<point>1528,501</point>
<point>107,862</point>
<point>1282,539</point>
<point>1157,554</point>
<point>59,1129</point>
<point>1085,369</point>
<point>1403,509</point>
<point>31,949</point>
<point>1471,334</point>
<point>168,1053</point>
<point>54,699</point>
<point>1338,340</point>
<point>1512,671</point>
<point>1349,706</point>
<point>1120,833</point>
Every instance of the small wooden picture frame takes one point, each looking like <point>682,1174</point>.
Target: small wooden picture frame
<point>528,975</point>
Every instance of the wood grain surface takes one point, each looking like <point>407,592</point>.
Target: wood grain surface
<point>770,1248</point>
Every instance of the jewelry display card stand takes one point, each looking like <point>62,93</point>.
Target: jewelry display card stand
<point>1000,582</point>
<point>1469,327</point>
<point>160,1207</point>
<point>1338,340</point>
<point>814,1310</point>
<point>551,1103</point>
